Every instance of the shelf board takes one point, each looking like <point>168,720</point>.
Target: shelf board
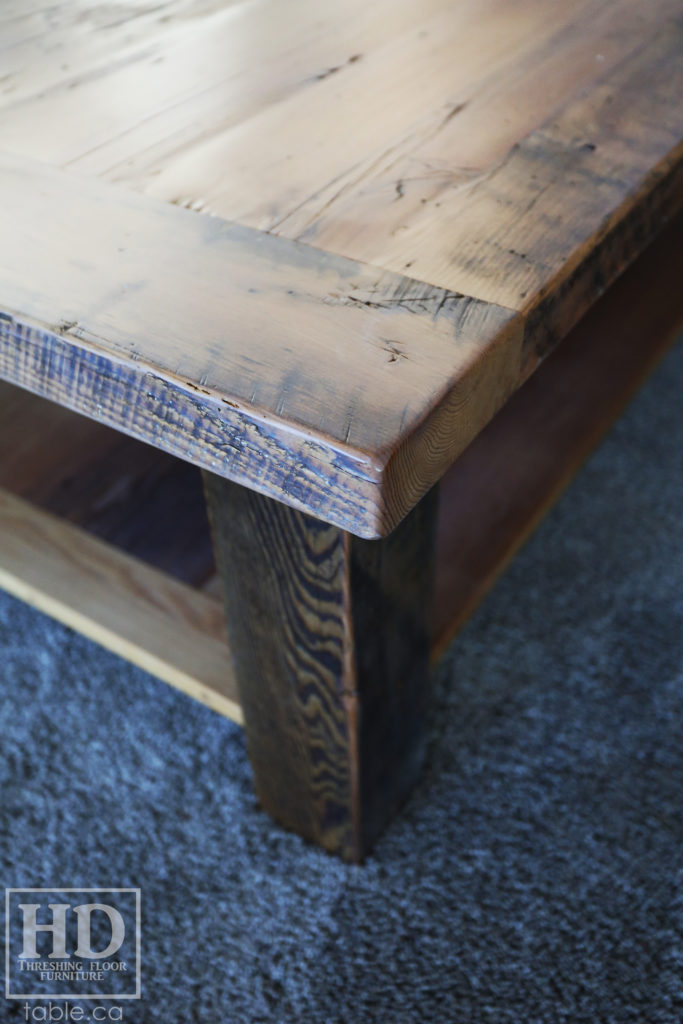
<point>166,627</point>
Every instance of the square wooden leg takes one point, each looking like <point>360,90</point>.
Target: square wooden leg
<point>330,638</point>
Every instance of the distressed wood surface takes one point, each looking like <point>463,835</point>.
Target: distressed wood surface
<point>489,502</point>
<point>454,184</point>
<point>289,371</point>
<point>329,635</point>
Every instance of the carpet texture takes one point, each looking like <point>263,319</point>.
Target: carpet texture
<point>535,876</point>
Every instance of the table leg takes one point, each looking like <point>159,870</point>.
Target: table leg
<point>330,638</point>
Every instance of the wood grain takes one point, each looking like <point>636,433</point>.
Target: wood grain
<point>291,372</point>
<point>499,489</point>
<point>467,179</point>
<point>489,502</point>
<point>313,249</point>
<point>329,636</point>
<point>126,82</point>
<point>167,628</point>
<point>509,216</point>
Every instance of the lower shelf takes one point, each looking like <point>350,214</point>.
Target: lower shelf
<point>165,626</point>
<point>111,536</point>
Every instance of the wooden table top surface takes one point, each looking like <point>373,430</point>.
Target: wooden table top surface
<point>314,247</point>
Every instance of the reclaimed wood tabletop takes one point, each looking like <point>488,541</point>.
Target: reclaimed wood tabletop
<point>319,250</point>
<point>315,247</point>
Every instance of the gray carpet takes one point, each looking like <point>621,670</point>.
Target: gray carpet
<point>536,875</point>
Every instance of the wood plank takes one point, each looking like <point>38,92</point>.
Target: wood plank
<point>165,627</point>
<point>152,508</point>
<point>540,222</point>
<point>330,637</point>
<point>179,71</point>
<point>481,120</point>
<point>328,382</point>
<point>532,189</point>
<point>549,228</point>
<point>490,502</point>
<point>427,109</point>
<point>390,92</point>
<point>496,492</point>
<point>504,483</point>
<point>295,373</point>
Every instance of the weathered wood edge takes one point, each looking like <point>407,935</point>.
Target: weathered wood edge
<point>289,370</point>
<point>367,495</point>
<point>307,473</point>
<point>467,404</point>
<point>545,322</point>
<point>623,237</point>
<point>284,368</point>
<point>364,493</point>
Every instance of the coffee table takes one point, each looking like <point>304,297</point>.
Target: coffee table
<point>318,252</point>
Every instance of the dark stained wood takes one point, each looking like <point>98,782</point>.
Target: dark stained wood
<point>146,503</point>
<point>330,637</point>
<point>136,497</point>
<point>503,484</point>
